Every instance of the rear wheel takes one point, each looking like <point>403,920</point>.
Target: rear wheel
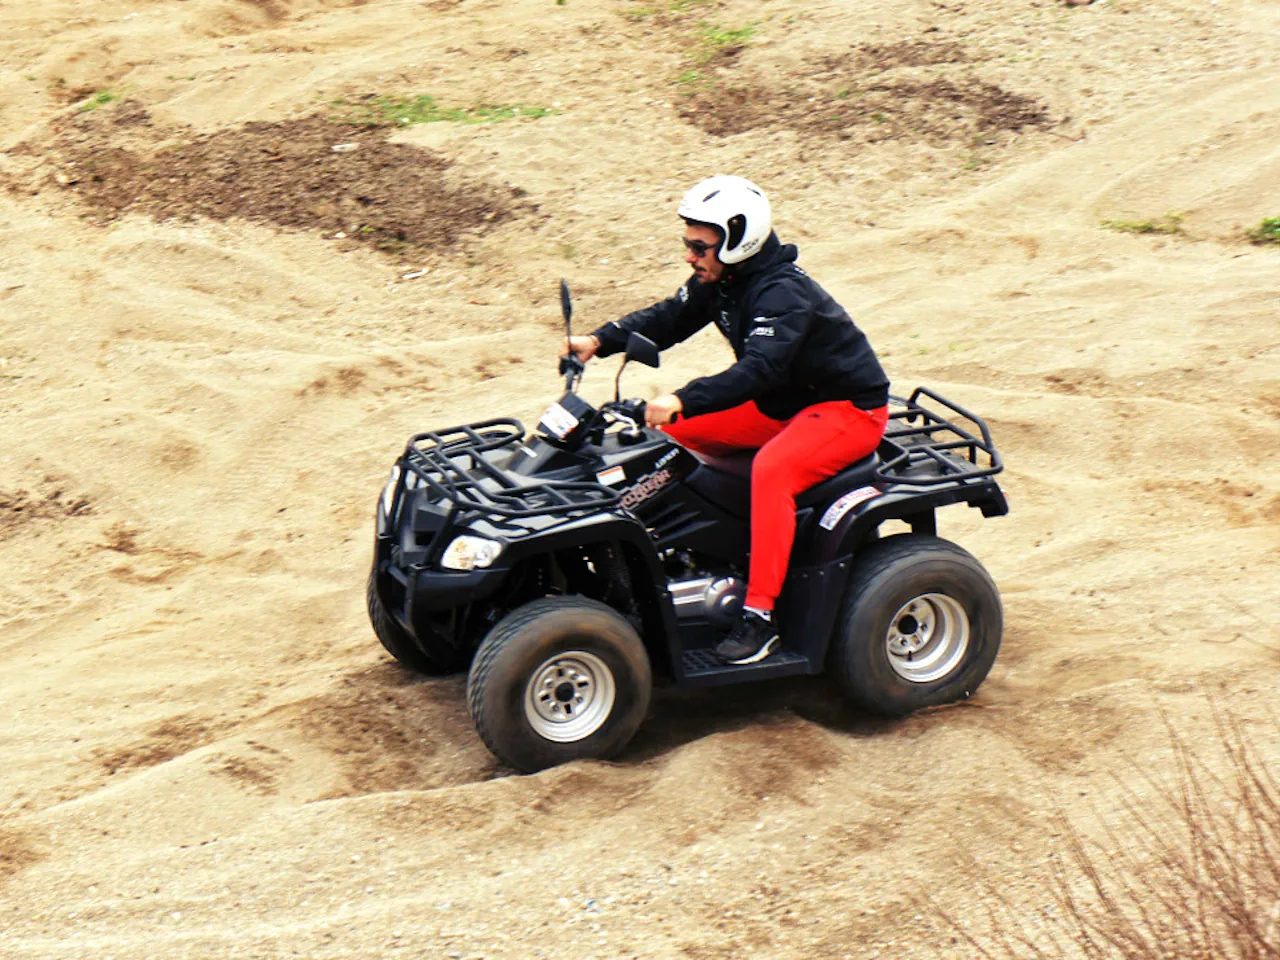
<point>921,626</point>
<point>559,679</point>
<point>439,659</point>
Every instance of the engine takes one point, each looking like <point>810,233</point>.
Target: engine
<point>716,599</point>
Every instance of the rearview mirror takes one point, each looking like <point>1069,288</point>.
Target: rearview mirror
<point>642,350</point>
<point>566,304</point>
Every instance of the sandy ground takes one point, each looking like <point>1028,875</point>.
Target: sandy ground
<point>206,753</point>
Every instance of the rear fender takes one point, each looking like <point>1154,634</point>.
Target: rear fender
<point>829,532</point>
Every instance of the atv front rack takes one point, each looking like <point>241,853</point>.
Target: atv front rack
<point>922,448</point>
<point>451,467</point>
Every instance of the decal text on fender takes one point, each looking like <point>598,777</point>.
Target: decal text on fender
<point>642,490</point>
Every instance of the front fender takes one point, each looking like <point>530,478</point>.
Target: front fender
<point>441,590</point>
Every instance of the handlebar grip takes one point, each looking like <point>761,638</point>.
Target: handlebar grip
<point>570,363</point>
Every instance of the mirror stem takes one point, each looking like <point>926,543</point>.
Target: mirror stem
<point>617,383</point>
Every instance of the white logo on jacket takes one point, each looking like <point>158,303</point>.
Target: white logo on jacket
<point>763,328</point>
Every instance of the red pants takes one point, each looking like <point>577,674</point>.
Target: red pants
<point>796,454</point>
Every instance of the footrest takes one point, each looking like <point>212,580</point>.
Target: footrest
<point>703,668</point>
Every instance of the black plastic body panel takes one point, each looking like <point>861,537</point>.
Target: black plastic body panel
<point>807,611</point>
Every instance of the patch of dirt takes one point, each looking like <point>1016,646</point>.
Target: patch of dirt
<point>1238,501</point>
<point>17,852</point>
<point>344,382</point>
<point>20,508</point>
<point>250,16</point>
<point>937,111</point>
<point>492,367</point>
<point>391,730</point>
<point>122,538</point>
<point>346,180</point>
<point>873,93</point>
<point>172,738</point>
<point>151,564</point>
<point>903,53</point>
<point>257,773</point>
<point>1077,381</point>
<point>176,455</point>
<point>1271,512</point>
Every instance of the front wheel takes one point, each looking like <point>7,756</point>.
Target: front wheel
<point>559,679</point>
<point>921,626</point>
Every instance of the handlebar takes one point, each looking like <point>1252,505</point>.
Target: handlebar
<point>631,410</point>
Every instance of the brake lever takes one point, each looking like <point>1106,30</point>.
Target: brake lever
<point>632,410</point>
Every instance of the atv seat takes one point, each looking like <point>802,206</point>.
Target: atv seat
<point>860,473</point>
<point>727,481</point>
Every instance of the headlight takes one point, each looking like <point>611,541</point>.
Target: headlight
<point>389,491</point>
<point>467,553</point>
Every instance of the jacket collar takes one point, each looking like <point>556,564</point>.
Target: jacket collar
<point>772,252</point>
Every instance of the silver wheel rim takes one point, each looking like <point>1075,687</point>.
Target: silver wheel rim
<point>570,696</point>
<point>927,638</point>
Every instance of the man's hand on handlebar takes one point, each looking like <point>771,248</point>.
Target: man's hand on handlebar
<point>662,410</point>
<point>583,347</point>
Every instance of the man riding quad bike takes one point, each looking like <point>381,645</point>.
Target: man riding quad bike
<point>570,566</point>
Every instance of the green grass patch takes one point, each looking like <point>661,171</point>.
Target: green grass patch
<point>409,111</point>
<point>99,99</point>
<point>1268,231</point>
<point>716,41</point>
<point>1170,223</point>
<point>673,7</point>
<point>718,36</point>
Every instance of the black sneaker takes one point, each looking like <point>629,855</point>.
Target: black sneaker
<point>751,640</point>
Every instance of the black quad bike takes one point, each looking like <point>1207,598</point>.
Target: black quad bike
<point>568,567</point>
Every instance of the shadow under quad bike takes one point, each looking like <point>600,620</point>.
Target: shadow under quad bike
<point>568,567</point>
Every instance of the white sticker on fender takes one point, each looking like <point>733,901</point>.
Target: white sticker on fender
<point>611,476</point>
<point>835,513</point>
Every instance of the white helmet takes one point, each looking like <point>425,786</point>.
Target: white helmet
<point>737,207</point>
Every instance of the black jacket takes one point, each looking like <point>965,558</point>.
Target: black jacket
<point>795,345</point>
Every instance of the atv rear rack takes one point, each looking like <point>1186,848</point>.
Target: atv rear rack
<point>451,466</point>
<point>925,448</point>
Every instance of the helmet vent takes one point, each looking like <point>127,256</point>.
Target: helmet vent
<point>710,195</point>
<point>737,227</point>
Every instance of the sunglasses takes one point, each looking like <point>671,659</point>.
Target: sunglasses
<point>699,247</point>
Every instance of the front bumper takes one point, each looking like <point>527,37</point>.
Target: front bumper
<point>416,596</point>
